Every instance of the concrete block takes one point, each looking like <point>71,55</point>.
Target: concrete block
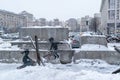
<point>111,57</point>
<point>16,56</point>
<point>100,40</point>
<point>66,57</point>
<point>44,33</point>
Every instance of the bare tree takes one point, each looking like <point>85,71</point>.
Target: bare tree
<point>94,24</point>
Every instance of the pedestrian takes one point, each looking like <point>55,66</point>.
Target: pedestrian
<point>54,47</point>
<point>27,61</point>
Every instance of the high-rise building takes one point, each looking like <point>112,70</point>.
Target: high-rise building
<point>110,16</point>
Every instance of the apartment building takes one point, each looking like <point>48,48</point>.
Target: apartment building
<point>110,16</point>
<point>29,18</point>
<point>73,25</point>
<point>85,23</point>
<point>10,21</point>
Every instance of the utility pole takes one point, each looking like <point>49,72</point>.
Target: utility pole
<point>115,29</point>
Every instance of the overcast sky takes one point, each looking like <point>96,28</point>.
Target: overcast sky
<point>49,9</point>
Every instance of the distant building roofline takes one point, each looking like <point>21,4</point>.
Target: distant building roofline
<point>5,11</point>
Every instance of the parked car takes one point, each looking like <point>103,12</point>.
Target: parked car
<point>75,42</point>
<point>118,35</point>
<point>113,38</point>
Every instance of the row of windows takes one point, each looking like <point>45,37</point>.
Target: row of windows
<point>111,14</point>
<point>113,3</point>
<point>112,6</point>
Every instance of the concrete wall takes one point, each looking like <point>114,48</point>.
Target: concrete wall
<point>111,57</point>
<point>93,40</point>
<point>66,56</point>
<point>44,33</point>
<point>64,51</point>
<point>42,45</point>
<point>16,56</point>
<point>12,56</point>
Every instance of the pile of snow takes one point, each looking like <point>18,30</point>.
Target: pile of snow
<point>82,71</point>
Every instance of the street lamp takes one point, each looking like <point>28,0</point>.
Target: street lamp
<point>115,17</point>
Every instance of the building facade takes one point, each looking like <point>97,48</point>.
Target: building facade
<point>110,16</point>
<point>85,23</point>
<point>72,23</point>
<point>10,21</point>
<point>45,22</point>
<point>95,23</point>
<point>29,18</point>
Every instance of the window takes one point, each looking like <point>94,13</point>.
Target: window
<point>111,14</point>
<point>118,25</point>
<point>117,16</point>
<point>118,4</point>
<point>110,28</point>
<point>111,4</point>
<point>87,23</point>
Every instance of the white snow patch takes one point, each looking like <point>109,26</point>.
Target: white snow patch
<point>1,40</point>
<point>6,45</point>
<point>84,70</point>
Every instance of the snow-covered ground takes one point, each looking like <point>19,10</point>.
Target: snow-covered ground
<point>84,70</point>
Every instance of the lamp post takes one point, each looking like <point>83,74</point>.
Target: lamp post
<point>115,17</point>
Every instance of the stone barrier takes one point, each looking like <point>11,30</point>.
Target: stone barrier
<point>111,57</point>
<point>16,56</point>
<point>44,33</point>
<point>45,45</point>
<point>66,56</point>
<point>98,39</point>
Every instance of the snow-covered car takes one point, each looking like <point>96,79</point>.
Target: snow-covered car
<point>75,42</point>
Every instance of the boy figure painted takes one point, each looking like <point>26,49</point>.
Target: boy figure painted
<point>27,61</point>
<point>54,47</point>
